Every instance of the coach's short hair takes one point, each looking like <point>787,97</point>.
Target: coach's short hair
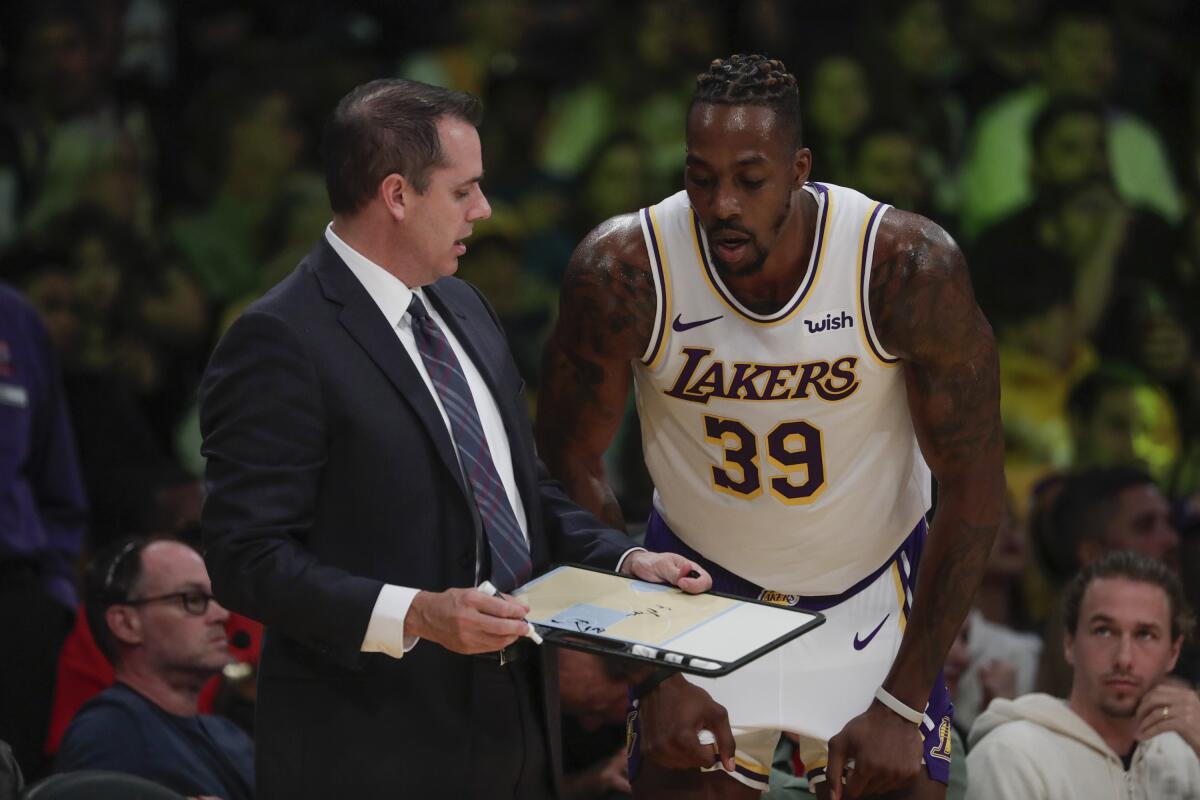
<point>383,127</point>
<point>1140,569</point>
<point>752,80</point>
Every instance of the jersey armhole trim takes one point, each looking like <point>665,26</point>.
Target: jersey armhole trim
<point>662,305</point>
<point>866,257</point>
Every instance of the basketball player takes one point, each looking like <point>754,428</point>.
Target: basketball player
<point>800,353</point>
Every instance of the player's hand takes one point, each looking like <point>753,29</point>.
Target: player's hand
<point>466,621</point>
<point>1182,707</point>
<point>885,748</point>
<point>672,715</point>
<point>667,568</point>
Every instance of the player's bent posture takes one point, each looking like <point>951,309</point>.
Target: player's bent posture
<point>800,353</point>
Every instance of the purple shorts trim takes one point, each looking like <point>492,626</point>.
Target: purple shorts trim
<point>939,714</point>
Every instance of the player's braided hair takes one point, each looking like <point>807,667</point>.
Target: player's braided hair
<point>751,80</point>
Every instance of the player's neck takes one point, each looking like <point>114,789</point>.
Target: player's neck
<point>769,288</point>
<point>1117,732</point>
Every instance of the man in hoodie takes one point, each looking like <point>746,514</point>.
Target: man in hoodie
<point>1124,731</point>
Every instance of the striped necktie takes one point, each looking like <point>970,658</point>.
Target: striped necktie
<point>510,552</point>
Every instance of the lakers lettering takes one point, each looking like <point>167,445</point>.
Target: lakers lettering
<point>703,378</point>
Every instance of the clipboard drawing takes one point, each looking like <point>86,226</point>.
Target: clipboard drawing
<point>706,633</point>
<point>586,618</point>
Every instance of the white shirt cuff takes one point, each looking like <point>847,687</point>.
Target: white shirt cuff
<point>385,631</point>
<point>625,555</point>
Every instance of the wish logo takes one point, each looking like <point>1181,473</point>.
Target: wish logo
<point>830,323</point>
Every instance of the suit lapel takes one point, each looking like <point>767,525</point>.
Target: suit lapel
<point>362,319</point>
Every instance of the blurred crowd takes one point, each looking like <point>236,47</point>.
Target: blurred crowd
<point>160,168</point>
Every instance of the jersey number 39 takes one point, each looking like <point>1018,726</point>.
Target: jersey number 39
<point>793,448</point>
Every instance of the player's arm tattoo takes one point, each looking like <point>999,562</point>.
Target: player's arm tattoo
<point>925,312</point>
<point>606,314</point>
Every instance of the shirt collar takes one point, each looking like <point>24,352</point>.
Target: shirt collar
<point>388,291</point>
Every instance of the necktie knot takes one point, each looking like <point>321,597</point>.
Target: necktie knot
<point>417,310</point>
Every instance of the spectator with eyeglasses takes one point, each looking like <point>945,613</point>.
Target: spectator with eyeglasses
<point>149,606</point>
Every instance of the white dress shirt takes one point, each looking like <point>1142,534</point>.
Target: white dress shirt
<point>386,628</point>
<point>385,631</point>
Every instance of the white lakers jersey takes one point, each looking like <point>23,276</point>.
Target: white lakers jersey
<point>780,445</point>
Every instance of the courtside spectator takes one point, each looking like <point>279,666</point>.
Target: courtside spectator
<point>1126,730</point>
<point>150,607</point>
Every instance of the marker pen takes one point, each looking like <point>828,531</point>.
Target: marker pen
<point>487,588</point>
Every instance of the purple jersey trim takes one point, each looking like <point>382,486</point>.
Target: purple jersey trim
<point>809,279</point>
<point>864,274</point>
<point>660,280</point>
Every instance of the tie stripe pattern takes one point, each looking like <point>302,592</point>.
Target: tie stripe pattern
<point>510,553</point>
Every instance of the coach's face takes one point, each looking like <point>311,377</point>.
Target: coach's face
<point>741,172</point>
<point>441,218</point>
<point>1122,645</point>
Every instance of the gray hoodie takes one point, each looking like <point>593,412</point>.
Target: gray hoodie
<point>1037,747</point>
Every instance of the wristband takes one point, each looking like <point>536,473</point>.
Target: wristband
<point>910,714</point>
<point>644,688</point>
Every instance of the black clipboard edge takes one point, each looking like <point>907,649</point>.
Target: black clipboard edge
<point>606,646</point>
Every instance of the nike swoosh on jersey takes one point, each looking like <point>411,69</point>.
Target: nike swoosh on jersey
<point>859,644</point>
<point>680,326</point>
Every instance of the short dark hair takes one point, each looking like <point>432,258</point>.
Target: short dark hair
<point>1084,397</point>
<point>110,579</point>
<point>383,127</point>
<point>1089,499</point>
<point>751,80</point>
<point>1141,569</point>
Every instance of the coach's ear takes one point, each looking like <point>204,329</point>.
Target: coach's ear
<point>393,191</point>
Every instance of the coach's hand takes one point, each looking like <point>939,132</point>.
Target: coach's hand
<point>672,715</point>
<point>466,621</point>
<point>667,568</point>
<point>886,750</point>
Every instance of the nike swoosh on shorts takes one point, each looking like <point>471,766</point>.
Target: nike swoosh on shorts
<point>859,644</point>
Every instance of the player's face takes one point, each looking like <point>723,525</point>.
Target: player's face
<point>443,216</point>
<point>1122,645</point>
<point>741,171</point>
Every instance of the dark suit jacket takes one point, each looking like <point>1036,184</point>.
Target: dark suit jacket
<point>330,473</point>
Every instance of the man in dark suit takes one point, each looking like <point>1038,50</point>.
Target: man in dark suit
<point>370,461</point>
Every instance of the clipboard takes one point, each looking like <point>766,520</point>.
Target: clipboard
<point>710,634</point>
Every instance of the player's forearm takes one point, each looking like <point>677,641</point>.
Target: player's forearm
<point>970,510</point>
<point>586,482</point>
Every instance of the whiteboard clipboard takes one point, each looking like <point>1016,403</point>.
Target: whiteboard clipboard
<point>709,634</point>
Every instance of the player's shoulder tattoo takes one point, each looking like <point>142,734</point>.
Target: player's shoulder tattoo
<point>922,303</point>
<point>608,294</point>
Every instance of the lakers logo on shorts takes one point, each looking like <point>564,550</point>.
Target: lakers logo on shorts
<point>779,598</point>
<point>942,750</point>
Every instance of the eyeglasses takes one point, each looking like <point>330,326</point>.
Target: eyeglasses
<point>194,603</point>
